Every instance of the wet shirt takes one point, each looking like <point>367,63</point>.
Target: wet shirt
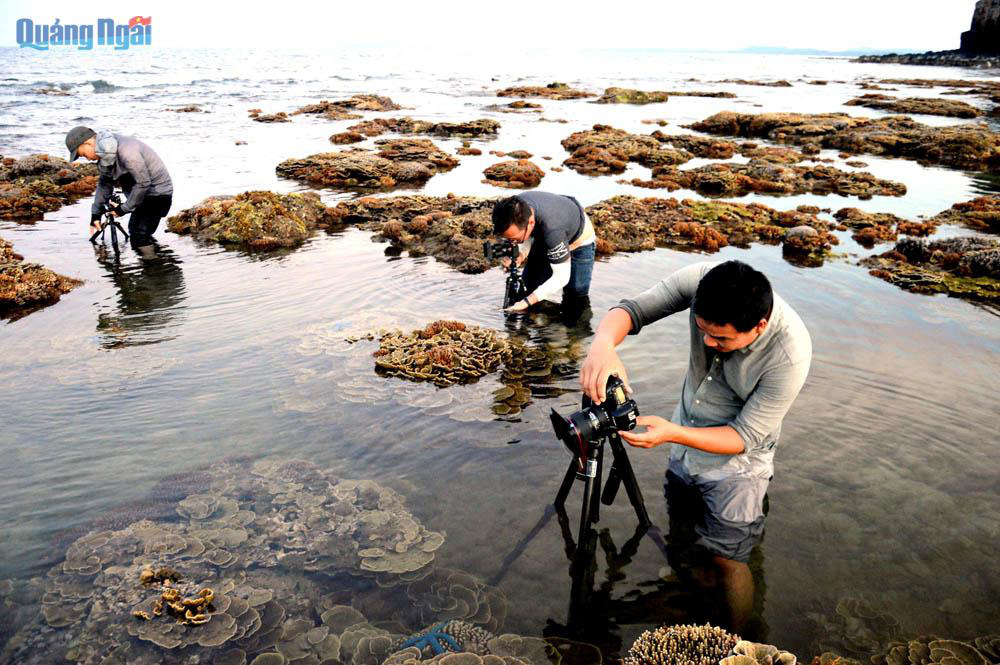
<point>749,389</point>
<point>134,165</point>
<point>559,220</point>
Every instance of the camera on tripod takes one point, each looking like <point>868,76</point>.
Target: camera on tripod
<point>595,422</point>
<point>506,249</point>
<point>110,222</point>
<point>584,434</point>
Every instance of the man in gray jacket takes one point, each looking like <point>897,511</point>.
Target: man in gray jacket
<point>134,166</point>
<point>749,357</point>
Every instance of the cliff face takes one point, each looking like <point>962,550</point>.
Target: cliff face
<point>984,36</point>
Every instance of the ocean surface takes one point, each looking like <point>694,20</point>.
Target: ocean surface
<point>886,477</point>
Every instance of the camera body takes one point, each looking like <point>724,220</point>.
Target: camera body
<point>500,250</point>
<point>594,422</point>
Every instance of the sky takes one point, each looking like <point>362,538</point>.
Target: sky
<point>440,24</point>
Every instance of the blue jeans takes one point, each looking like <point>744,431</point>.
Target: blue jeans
<point>580,272</point>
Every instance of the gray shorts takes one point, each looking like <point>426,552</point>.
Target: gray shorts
<point>725,517</point>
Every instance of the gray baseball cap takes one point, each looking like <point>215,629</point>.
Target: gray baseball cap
<point>76,137</point>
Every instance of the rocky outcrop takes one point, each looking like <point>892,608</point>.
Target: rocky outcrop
<point>950,108</point>
<point>25,287</point>
<point>36,184</point>
<point>983,37</point>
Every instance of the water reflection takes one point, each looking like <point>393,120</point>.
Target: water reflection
<point>150,297</point>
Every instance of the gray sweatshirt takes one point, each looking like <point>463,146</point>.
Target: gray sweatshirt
<point>133,164</point>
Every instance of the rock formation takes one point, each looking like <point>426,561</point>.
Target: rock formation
<point>983,38</point>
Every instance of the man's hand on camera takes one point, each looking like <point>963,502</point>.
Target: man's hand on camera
<point>95,224</point>
<point>116,210</point>
<point>658,431</point>
<point>602,361</point>
<point>505,262</point>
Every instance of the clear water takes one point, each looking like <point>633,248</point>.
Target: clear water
<point>886,480</point>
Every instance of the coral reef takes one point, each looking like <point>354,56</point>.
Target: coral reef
<point>981,214</point>
<point>928,650</point>
<point>444,353</point>
<point>407,125</point>
<point>206,589</point>
<point>767,177</point>
<point>753,653</point>
<point>451,229</point>
<point>342,110</point>
<point>553,90</point>
<point>26,287</point>
<point>397,163</point>
<point>964,267</point>
<point>36,184</point>
<point>628,224</point>
<point>259,116</point>
<point>681,645</point>
<point>514,174</point>
<point>258,220</point>
<point>917,105</point>
<point>972,147</point>
<point>517,106</point>
<point>605,149</point>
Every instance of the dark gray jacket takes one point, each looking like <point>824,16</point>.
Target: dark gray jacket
<point>129,162</point>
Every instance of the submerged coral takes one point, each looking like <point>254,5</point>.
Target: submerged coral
<point>681,645</point>
<point>444,353</point>
<point>397,163</point>
<point>36,184</point>
<point>256,220</point>
<point>973,147</point>
<point>25,287</point>
<point>964,267</point>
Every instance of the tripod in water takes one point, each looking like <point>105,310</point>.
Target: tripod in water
<point>110,221</point>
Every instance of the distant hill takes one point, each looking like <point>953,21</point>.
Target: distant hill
<point>778,50</point>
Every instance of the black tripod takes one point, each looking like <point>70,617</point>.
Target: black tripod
<point>515,283</point>
<point>591,474</point>
<point>112,222</point>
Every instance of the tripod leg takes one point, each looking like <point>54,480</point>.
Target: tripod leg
<point>588,488</point>
<point>595,508</point>
<point>628,478</point>
<point>567,485</point>
<point>611,487</point>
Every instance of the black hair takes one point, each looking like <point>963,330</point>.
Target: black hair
<point>734,293</point>
<point>510,210</point>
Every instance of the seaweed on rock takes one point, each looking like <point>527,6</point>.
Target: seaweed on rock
<point>26,287</point>
<point>36,184</point>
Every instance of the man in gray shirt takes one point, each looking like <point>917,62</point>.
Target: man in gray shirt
<point>750,354</point>
<point>136,168</point>
<point>557,245</point>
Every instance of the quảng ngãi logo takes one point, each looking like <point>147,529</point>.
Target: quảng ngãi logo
<point>137,32</point>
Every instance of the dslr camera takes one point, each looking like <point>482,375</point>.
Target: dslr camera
<point>502,249</point>
<point>595,422</point>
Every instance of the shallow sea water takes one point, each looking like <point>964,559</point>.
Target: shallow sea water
<point>886,481</point>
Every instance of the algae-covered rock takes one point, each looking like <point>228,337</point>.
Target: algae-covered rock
<point>763,176</point>
<point>681,644</point>
<point>449,228</point>
<point>629,224</point>
<point>615,95</point>
<point>973,147</point>
<point>259,116</point>
<point>343,109</point>
<point>256,220</point>
<point>981,214</point>
<point>514,174</point>
<point>406,125</point>
<point>951,108</point>
<point>605,149</point>
<point>397,163</point>
<point>26,287</point>
<point>36,184</point>
<point>553,90</point>
<point>964,267</point>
